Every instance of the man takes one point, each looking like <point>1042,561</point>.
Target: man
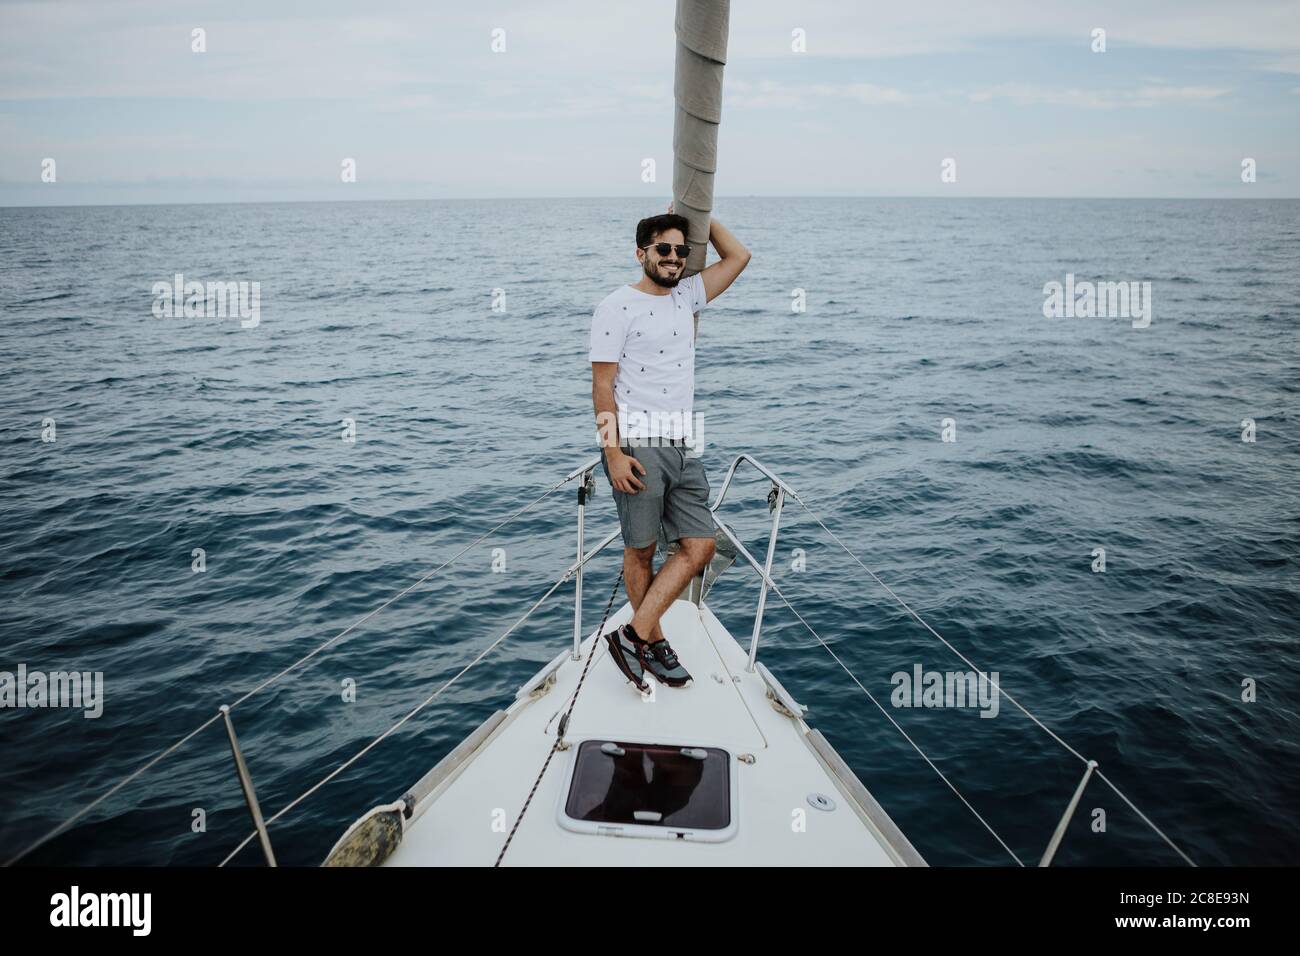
<point>643,388</point>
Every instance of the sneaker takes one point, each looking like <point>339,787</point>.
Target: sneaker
<point>658,658</point>
<point>625,653</point>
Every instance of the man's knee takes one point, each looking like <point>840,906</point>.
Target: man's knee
<point>699,551</point>
<point>642,556</point>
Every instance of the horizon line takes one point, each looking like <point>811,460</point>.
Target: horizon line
<point>396,199</point>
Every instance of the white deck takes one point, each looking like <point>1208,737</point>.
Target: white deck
<point>464,820</point>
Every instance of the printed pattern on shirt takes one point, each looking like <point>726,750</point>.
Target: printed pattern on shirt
<point>652,339</point>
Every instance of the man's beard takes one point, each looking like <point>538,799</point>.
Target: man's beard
<point>667,283</point>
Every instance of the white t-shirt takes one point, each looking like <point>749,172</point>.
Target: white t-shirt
<point>652,338</point>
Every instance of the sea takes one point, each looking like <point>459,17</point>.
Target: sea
<point>1101,510</point>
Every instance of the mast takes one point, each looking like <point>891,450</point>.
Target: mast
<point>701,27</point>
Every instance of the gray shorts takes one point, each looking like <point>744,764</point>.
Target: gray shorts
<point>676,496</point>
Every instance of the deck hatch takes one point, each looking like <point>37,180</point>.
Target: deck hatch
<point>638,789</point>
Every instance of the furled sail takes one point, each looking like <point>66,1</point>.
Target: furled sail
<point>701,27</point>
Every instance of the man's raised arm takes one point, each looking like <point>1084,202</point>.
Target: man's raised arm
<point>733,257</point>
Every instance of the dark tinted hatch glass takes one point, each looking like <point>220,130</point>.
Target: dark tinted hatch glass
<point>651,785</point>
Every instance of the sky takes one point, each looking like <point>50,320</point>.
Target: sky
<point>581,96</point>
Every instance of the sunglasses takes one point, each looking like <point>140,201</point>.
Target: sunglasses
<point>663,248</point>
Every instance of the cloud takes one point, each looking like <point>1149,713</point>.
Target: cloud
<point>845,30</point>
<point>1282,64</point>
<point>770,94</point>
<point>1146,96</point>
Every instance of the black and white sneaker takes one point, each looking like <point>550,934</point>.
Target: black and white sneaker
<point>658,658</point>
<point>625,652</point>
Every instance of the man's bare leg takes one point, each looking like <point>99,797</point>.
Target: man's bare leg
<point>693,556</point>
<point>638,572</point>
